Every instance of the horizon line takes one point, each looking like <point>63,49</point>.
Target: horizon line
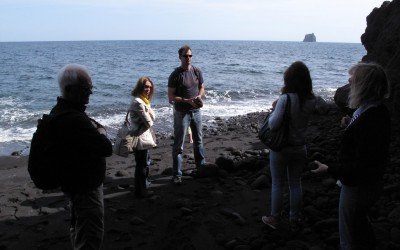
<point>114,40</point>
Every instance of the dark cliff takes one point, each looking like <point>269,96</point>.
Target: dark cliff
<point>382,42</point>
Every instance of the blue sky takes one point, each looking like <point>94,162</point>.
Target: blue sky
<point>269,20</point>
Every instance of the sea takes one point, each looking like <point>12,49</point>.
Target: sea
<point>240,77</point>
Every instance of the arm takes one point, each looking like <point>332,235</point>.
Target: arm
<point>172,84</point>
<point>86,137</point>
<point>364,150</point>
<point>139,110</point>
<point>276,118</point>
<point>199,75</point>
<point>152,114</point>
<point>172,98</point>
<point>201,91</point>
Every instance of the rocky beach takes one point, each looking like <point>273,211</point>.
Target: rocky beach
<point>219,207</point>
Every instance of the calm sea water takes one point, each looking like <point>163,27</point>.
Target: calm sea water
<point>240,77</point>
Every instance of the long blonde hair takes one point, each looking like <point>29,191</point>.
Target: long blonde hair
<point>368,82</point>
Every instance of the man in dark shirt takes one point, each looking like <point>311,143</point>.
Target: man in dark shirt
<point>185,90</point>
<point>83,148</point>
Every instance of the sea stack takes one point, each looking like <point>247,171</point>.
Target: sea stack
<point>310,38</point>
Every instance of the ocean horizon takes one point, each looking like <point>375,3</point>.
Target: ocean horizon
<point>240,77</point>
<point>170,40</point>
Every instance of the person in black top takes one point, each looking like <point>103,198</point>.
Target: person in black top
<point>185,91</point>
<point>83,148</point>
<point>363,155</point>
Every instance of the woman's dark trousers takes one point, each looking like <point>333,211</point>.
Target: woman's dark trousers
<point>141,172</point>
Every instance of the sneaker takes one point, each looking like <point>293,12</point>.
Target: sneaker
<point>270,221</point>
<point>177,180</point>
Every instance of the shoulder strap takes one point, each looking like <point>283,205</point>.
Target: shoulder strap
<point>196,71</point>
<point>287,108</point>
<point>126,117</point>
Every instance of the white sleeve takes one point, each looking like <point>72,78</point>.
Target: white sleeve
<point>276,118</point>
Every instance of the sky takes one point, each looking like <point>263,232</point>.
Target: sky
<point>265,20</point>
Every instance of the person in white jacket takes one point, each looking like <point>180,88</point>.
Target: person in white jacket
<point>142,119</point>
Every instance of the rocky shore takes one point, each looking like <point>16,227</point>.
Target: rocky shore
<point>219,207</point>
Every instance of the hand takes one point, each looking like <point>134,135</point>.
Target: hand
<point>94,123</point>
<point>345,121</point>
<point>322,168</point>
<point>99,127</point>
<point>151,113</point>
<point>102,131</point>
<point>196,102</point>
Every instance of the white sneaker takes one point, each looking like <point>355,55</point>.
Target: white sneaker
<point>177,180</point>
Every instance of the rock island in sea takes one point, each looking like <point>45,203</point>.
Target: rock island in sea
<point>310,38</point>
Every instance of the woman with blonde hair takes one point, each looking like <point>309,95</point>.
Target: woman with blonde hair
<point>363,155</point>
<point>142,119</point>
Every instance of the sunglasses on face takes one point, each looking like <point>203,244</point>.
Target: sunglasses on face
<point>147,87</point>
<point>187,56</point>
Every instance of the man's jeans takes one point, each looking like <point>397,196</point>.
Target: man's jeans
<point>87,219</point>
<point>287,164</point>
<point>182,120</point>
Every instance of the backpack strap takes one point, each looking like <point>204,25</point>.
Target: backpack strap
<point>126,117</point>
<point>287,108</point>
<point>196,72</point>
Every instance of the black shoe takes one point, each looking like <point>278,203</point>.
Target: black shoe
<point>177,180</point>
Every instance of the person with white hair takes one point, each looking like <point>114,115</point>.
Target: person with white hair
<point>363,155</point>
<point>82,148</point>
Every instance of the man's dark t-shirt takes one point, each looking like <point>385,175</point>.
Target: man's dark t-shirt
<point>187,84</point>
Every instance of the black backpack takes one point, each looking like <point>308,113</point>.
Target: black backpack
<point>44,154</point>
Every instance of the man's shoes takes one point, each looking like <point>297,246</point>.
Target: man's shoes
<point>270,221</point>
<point>177,180</point>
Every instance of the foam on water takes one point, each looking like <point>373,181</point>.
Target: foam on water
<point>236,82</point>
<point>16,134</point>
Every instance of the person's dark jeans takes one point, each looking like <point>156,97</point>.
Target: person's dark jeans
<point>87,219</point>
<point>355,229</point>
<point>141,171</point>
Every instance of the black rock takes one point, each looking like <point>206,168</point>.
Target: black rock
<point>225,163</point>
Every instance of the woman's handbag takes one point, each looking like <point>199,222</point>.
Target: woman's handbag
<point>124,142</point>
<point>276,140</point>
<point>147,140</point>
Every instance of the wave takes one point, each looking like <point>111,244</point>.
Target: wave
<point>236,83</point>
